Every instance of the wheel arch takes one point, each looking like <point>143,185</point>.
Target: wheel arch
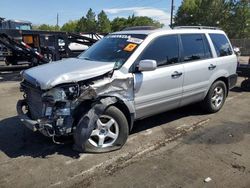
<point>126,108</point>
<point>223,79</point>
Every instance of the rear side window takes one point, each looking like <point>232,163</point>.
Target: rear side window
<point>195,47</point>
<point>221,45</point>
<point>164,49</point>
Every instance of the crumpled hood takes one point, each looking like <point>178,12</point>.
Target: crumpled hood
<point>65,71</point>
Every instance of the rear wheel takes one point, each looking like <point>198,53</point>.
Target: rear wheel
<point>215,98</point>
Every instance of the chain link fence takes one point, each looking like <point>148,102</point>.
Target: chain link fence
<point>243,44</point>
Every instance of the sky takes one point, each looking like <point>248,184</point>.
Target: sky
<point>45,11</point>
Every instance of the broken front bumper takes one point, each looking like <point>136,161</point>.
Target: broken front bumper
<point>29,123</point>
<point>34,125</point>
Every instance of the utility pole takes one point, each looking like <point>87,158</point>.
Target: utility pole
<point>172,12</point>
<point>57,20</point>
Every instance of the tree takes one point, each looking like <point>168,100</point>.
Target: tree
<point>46,27</point>
<point>81,25</point>
<point>70,26</point>
<point>121,23</point>
<point>143,21</point>
<point>88,23</point>
<point>103,23</point>
<point>201,12</point>
<point>241,19</point>
<point>118,24</point>
<point>91,24</point>
<point>186,12</point>
<point>230,15</point>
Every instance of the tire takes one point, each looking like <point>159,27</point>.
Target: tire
<point>7,61</point>
<point>245,85</point>
<point>215,98</point>
<point>119,130</point>
<point>12,60</point>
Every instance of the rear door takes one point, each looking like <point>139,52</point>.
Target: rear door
<point>226,59</point>
<point>198,67</point>
<point>159,90</point>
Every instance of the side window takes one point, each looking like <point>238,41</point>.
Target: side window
<point>221,44</point>
<point>164,49</point>
<point>195,47</point>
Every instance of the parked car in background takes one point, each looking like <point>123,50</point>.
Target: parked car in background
<point>237,51</point>
<point>126,76</point>
<point>81,47</point>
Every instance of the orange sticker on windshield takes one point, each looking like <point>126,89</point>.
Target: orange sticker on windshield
<point>130,47</point>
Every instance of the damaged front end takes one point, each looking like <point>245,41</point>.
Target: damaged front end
<point>49,112</point>
<point>71,96</point>
<point>57,111</point>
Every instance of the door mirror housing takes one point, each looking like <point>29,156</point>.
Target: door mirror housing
<point>147,65</point>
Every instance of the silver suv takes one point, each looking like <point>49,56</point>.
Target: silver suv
<point>126,76</point>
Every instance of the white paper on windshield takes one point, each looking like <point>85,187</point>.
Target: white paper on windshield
<point>135,40</point>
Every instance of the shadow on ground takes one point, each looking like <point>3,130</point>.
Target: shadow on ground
<point>226,133</point>
<point>163,118</point>
<point>16,140</point>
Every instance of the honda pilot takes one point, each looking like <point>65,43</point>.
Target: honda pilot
<point>126,76</point>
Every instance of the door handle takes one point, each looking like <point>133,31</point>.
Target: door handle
<point>211,67</point>
<point>176,74</point>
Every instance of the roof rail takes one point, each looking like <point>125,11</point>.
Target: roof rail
<point>196,27</point>
<point>140,28</point>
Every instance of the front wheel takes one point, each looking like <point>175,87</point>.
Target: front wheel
<point>110,132</point>
<point>215,98</point>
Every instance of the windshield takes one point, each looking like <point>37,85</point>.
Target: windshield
<point>114,48</point>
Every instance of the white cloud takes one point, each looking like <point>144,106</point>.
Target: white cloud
<point>156,14</point>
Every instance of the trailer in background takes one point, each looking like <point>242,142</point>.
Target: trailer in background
<point>243,70</point>
<point>52,45</point>
<point>15,24</point>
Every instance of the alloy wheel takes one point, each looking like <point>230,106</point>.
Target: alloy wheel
<point>106,132</point>
<point>217,97</point>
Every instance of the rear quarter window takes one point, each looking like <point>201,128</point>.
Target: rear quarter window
<point>221,44</point>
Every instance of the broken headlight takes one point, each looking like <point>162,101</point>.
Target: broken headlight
<point>62,93</point>
<point>71,91</point>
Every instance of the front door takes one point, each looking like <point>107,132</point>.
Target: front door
<point>159,90</point>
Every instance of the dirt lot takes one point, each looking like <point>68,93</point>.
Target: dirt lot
<point>179,148</point>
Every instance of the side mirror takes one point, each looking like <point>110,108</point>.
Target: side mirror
<point>147,65</point>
